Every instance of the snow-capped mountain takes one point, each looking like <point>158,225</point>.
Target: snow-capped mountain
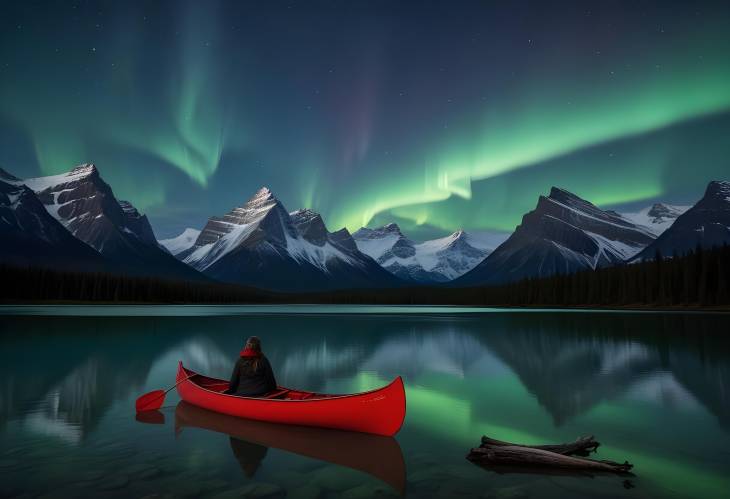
<point>30,236</point>
<point>437,260</point>
<point>180,243</point>
<point>563,234</point>
<point>261,244</point>
<point>85,205</point>
<point>706,224</point>
<point>657,218</point>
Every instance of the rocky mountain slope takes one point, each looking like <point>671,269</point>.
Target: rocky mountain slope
<point>180,243</point>
<point>434,261</point>
<point>705,224</point>
<point>657,218</point>
<point>260,244</point>
<point>85,205</point>
<point>29,236</point>
<point>563,234</point>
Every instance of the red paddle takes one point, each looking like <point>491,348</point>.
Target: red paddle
<point>153,400</point>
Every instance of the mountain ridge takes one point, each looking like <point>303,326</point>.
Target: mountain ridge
<point>82,202</point>
<point>705,224</point>
<point>428,262</point>
<point>261,244</point>
<point>563,234</point>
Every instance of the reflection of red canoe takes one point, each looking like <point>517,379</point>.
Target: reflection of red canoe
<point>378,411</point>
<point>378,456</point>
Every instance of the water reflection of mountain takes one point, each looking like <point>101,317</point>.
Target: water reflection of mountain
<point>707,379</point>
<point>444,350</point>
<point>572,362</point>
<point>60,376</point>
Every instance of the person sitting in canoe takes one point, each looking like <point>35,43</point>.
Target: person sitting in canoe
<point>252,375</point>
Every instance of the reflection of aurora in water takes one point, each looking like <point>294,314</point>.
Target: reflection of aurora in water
<point>529,377</point>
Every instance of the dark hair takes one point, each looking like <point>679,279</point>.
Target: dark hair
<point>253,363</point>
<point>254,343</point>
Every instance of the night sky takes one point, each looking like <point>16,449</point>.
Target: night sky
<point>436,115</point>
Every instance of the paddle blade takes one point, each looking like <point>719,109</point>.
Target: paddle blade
<point>150,401</point>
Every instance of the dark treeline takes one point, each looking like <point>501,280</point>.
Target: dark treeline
<point>38,284</point>
<point>700,278</point>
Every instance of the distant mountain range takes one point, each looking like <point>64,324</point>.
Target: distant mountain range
<point>439,260</point>
<point>261,244</point>
<point>73,221</point>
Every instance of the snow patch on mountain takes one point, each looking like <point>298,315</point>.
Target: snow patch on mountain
<point>437,260</point>
<point>206,255</point>
<point>657,218</point>
<point>563,234</point>
<point>181,242</point>
<point>262,244</point>
<point>80,172</point>
<point>706,224</point>
<point>303,250</point>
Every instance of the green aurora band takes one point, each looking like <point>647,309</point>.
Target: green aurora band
<point>183,100</point>
<point>551,122</point>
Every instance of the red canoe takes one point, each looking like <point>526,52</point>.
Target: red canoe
<point>380,411</point>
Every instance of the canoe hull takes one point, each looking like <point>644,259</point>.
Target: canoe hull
<point>380,412</point>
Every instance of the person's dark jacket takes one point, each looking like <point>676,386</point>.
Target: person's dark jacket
<point>246,382</point>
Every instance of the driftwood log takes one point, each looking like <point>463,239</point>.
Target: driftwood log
<point>505,454</point>
<point>582,446</point>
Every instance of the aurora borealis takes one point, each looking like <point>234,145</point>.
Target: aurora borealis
<point>440,115</point>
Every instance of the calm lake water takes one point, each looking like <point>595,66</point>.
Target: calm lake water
<point>654,388</point>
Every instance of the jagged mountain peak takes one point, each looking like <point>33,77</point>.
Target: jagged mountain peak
<point>87,207</point>
<point>564,233</point>
<point>31,236</point>
<point>264,194</point>
<point>305,214</point>
<point>310,225</point>
<point>84,169</point>
<point>436,260</point>
<point>718,189</point>
<point>129,208</point>
<point>706,224</point>
<point>657,217</point>
<point>559,192</point>
<point>391,227</point>
<point>456,239</point>
<point>262,244</point>
<point>567,198</point>
<point>661,210</point>
<point>344,239</point>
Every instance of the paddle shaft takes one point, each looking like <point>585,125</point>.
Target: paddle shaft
<point>162,395</point>
<point>173,386</point>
